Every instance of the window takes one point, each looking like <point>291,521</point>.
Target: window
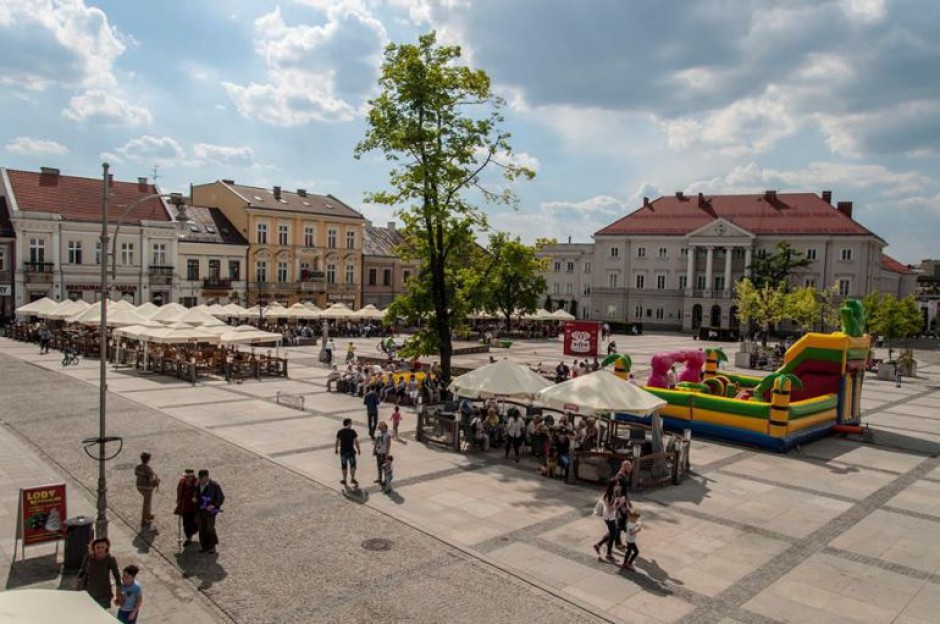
<point>386,277</point>
<point>262,233</point>
<point>810,282</point>
<point>683,282</point>
<point>663,252</point>
<point>37,250</point>
<point>215,268</point>
<point>587,267</point>
<point>844,286</point>
<point>846,255</point>
<point>331,238</point>
<point>719,282</point>
<point>737,253</point>
<point>283,234</point>
<point>556,289</point>
<point>406,276</point>
<point>587,290</point>
<point>192,269</point>
<point>761,253</point>
<point>811,254</point>
<point>234,270</point>
<point>282,272</point>
<point>75,252</point>
<point>310,236</point>
<point>97,252</point>
<point>612,279</point>
<point>3,260</point>
<point>350,240</point>
<point>372,277</point>
<point>661,282</point>
<point>569,289</point>
<point>127,254</point>
<point>684,252</point>
<point>261,271</point>
<point>700,282</point>
<point>638,312</point>
<point>649,312</point>
<point>614,252</point>
<point>350,273</point>
<point>557,266</point>
<point>570,267</point>
<point>331,274</point>
<point>159,254</point>
<point>660,314</point>
<point>641,252</point>
<point>641,281</point>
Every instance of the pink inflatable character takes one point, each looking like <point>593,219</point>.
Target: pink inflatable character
<point>660,364</point>
<point>694,360</point>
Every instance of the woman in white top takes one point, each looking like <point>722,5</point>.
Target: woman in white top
<point>607,508</point>
<point>515,432</point>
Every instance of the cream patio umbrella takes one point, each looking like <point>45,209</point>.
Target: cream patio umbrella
<point>217,310</point>
<point>599,393</point>
<point>25,606</point>
<point>233,309</point>
<point>147,309</point>
<point>370,313</point>
<point>213,323</point>
<point>118,316</point>
<point>300,311</point>
<point>134,331</point>
<point>275,310</point>
<point>122,304</point>
<point>178,333</point>
<point>169,313</point>
<point>501,379</point>
<point>196,316</point>
<point>38,307</point>
<point>337,311</point>
<point>561,315</point>
<point>66,309</point>
<point>246,334</point>
<point>313,307</point>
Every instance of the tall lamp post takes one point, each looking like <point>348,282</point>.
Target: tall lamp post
<point>101,442</point>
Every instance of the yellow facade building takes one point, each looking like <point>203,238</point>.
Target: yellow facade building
<point>301,246</point>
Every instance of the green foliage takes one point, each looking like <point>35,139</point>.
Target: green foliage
<point>438,124</point>
<point>773,379</point>
<point>763,305</point>
<point>891,317</point>
<point>514,281</point>
<point>541,243</point>
<point>830,303</point>
<point>804,307</point>
<point>775,267</point>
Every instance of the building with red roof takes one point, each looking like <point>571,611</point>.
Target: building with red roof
<point>57,223</point>
<point>672,263</point>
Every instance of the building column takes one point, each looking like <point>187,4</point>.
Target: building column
<point>709,265</point>
<point>57,260</point>
<point>690,270</point>
<point>20,255</point>
<point>143,283</point>
<point>747,261</point>
<point>727,269</point>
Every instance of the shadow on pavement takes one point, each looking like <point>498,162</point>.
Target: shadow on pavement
<point>144,539</point>
<point>33,570</point>
<point>204,567</point>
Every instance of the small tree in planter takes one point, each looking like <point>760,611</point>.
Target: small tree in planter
<point>893,318</point>
<point>766,304</point>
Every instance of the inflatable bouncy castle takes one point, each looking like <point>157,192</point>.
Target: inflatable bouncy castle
<point>816,391</point>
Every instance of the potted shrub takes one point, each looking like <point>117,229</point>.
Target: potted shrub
<point>907,364</point>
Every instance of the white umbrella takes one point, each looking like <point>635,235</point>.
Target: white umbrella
<point>499,379</point>
<point>213,323</point>
<point>118,315</point>
<point>370,312</point>
<point>169,313</point>
<point>300,311</point>
<point>196,316</point>
<point>67,308</point>
<point>275,310</point>
<point>217,310</point>
<point>480,315</point>
<point>246,334</point>
<point>312,307</point>
<point>337,311</point>
<point>251,312</point>
<point>134,331</point>
<point>561,315</point>
<point>601,392</point>
<point>233,309</point>
<point>122,304</point>
<point>147,309</point>
<point>178,333</point>
<point>25,606</point>
<point>38,307</point>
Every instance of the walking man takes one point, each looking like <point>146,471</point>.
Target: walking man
<point>380,448</point>
<point>147,482</point>
<point>347,447</point>
<point>515,431</point>
<point>371,401</point>
<point>209,499</point>
<point>186,504</point>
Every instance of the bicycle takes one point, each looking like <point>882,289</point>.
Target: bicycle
<point>70,358</point>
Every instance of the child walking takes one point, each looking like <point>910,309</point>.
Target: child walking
<point>633,527</point>
<point>133,596</point>
<point>387,487</point>
<point>396,419</point>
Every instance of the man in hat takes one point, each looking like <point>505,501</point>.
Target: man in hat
<point>209,499</point>
<point>147,482</point>
<point>186,504</point>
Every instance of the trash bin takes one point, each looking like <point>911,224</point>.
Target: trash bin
<point>78,532</point>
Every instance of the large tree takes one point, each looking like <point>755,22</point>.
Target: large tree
<point>892,317</point>
<point>439,124</point>
<point>514,281</point>
<point>803,306</point>
<point>763,306</point>
<point>775,267</point>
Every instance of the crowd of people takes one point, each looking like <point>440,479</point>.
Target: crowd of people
<point>393,383</point>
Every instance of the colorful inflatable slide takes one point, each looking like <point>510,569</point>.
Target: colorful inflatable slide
<point>817,390</point>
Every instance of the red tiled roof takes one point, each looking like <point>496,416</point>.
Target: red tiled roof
<point>890,264</point>
<point>79,199</point>
<point>789,213</point>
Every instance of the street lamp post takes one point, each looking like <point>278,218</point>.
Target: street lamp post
<point>101,521</point>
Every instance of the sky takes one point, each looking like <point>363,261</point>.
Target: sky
<point>607,100</point>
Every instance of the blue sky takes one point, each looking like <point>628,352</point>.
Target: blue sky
<point>609,100</point>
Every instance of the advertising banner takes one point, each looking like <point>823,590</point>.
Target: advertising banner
<point>42,514</point>
<point>582,338</point>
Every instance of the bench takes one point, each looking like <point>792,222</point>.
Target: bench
<point>288,399</point>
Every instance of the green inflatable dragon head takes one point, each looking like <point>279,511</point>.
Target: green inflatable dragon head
<point>854,321</point>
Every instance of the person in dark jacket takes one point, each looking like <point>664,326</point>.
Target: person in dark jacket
<point>208,499</point>
<point>186,504</point>
<point>147,482</point>
<point>93,577</point>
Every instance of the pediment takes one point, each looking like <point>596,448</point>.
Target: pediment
<point>721,229</point>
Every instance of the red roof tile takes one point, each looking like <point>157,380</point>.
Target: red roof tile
<point>788,213</point>
<point>79,199</point>
<point>890,264</point>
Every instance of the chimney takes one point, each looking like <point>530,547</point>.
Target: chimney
<point>845,208</point>
<point>827,196</point>
<point>680,195</point>
<point>646,202</point>
<point>569,240</point>
<point>302,192</point>
<point>110,179</point>
<point>49,171</point>
<point>391,226</point>
<point>701,200</point>
<point>770,196</point>
<point>142,185</point>
<point>228,181</point>
<point>277,193</point>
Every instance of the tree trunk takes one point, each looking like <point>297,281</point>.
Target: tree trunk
<point>508,322</point>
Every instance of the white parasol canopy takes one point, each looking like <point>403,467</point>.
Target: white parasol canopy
<point>178,333</point>
<point>122,304</point>
<point>25,606</point>
<point>217,310</point>
<point>275,310</point>
<point>246,334</point>
<point>196,316</point>
<point>118,315</point>
<point>134,331</point>
<point>147,309</point>
<point>233,309</point>
<point>370,313</point>
<point>67,308</point>
<point>561,315</point>
<point>38,307</point>
<point>300,311</point>
<point>500,379</point>
<point>337,311</point>
<point>313,307</point>
<point>169,313</point>
<point>600,392</point>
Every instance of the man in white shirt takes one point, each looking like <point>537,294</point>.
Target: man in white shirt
<point>515,432</point>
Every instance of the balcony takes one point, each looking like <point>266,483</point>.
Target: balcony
<point>39,272</point>
<point>217,283</point>
<point>160,274</point>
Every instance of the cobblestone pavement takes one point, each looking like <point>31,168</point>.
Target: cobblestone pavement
<point>836,531</point>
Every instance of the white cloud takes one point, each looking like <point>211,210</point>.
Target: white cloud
<point>314,73</point>
<point>100,106</point>
<point>561,219</point>
<point>63,42</point>
<point>235,156</point>
<point>35,147</point>
<point>153,150</point>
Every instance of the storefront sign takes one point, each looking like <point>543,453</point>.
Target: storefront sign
<point>582,337</point>
<point>97,287</point>
<point>42,514</point>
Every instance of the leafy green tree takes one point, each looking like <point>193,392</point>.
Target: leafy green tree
<point>830,303</point>
<point>803,306</point>
<point>542,242</point>
<point>775,267</point>
<point>514,280</point>
<point>761,306</point>
<point>892,318</point>
<point>439,124</point>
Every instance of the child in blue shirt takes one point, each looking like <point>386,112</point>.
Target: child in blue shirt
<point>133,596</point>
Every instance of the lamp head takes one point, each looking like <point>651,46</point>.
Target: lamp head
<point>182,217</point>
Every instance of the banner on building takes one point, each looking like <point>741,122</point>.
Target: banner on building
<point>582,338</point>
<point>42,514</point>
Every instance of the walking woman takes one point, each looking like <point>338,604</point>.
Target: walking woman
<point>96,569</point>
<point>607,509</point>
